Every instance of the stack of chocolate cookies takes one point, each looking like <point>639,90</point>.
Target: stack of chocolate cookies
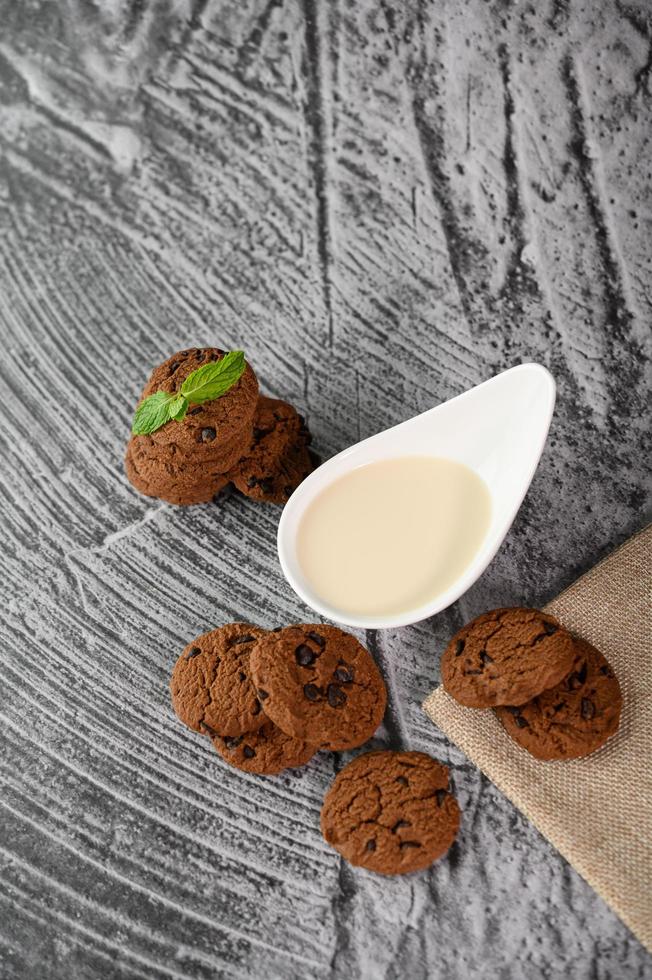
<point>269,700</point>
<point>554,694</point>
<point>259,444</point>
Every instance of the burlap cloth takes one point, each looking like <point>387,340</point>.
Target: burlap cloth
<point>597,811</point>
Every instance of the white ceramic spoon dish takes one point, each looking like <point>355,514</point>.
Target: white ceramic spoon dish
<point>497,429</point>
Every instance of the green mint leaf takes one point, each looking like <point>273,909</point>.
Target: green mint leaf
<point>178,407</point>
<point>152,413</point>
<point>214,379</point>
<point>203,385</point>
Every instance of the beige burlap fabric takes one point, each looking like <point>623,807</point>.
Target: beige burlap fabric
<point>597,811</point>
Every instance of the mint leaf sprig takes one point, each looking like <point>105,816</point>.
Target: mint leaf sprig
<point>208,382</point>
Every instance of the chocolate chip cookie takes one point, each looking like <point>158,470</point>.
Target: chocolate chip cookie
<point>506,656</point>
<point>266,751</point>
<point>278,458</point>
<point>185,462</point>
<point>575,717</point>
<point>391,812</point>
<point>211,686</point>
<point>218,430</point>
<point>317,683</point>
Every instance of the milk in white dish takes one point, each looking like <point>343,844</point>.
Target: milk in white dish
<point>390,536</point>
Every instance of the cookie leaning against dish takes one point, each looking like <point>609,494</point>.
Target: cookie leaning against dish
<point>211,687</point>
<point>318,684</point>
<point>391,812</point>
<point>277,459</point>
<point>575,717</point>
<point>506,656</point>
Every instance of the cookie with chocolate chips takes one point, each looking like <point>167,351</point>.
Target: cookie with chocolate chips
<point>186,461</point>
<point>277,458</point>
<point>575,717</point>
<point>218,430</point>
<point>506,656</point>
<point>318,684</point>
<point>391,812</point>
<point>211,683</point>
<point>265,752</point>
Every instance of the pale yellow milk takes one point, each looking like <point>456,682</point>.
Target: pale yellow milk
<point>390,536</point>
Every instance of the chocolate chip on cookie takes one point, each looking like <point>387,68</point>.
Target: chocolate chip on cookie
<point>391,812</point>
<point>575,717</point>
<point>211,685</point>
<point>266,751</point>
<point>319,684</point>
<point>278,458</point>
<point>506,656</point>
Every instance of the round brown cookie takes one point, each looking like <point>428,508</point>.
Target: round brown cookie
<point>278,487</point>
<point>218,430</point>
<point>319,684</point>
<point>266,752</point>
<point>391,812</point>
<point>506,656</point>
<point>575,717</point>
<point>211,687</point>
<point>278,458</point>
<point>152,475</point>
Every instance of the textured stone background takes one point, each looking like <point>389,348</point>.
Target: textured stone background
<point>384,203</point>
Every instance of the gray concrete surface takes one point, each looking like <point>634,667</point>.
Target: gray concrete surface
<point>383,203</point>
